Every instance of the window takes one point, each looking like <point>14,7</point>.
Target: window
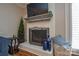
<point>75,25</point>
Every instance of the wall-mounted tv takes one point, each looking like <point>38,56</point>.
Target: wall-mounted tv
<point>34,9</point>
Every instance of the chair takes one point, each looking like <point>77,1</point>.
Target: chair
<point>4,42</point>
<point>60,46</point>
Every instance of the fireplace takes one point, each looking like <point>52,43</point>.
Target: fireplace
<point>37,35</point>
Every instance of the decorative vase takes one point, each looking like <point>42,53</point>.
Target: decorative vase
<point>45,45</point>
<point>49,43</point>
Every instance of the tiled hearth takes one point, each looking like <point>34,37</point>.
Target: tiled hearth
<point>38,50</point>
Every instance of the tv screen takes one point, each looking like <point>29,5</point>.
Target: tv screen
<point>34,9</point>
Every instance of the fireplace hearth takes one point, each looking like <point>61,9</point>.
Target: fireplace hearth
<point>37,35</point>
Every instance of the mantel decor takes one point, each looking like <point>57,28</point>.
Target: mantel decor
<point>42,17</point>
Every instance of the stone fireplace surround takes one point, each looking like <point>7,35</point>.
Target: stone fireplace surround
<point>38,50</point>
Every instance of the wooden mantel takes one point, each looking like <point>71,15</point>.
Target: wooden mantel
<point>42,17</point>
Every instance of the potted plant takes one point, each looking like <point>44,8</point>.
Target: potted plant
<point>21,31</point>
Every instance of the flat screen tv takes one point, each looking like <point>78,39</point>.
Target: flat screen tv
<point>34,9</point>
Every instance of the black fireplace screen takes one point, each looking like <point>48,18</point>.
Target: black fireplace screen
<point>38,35</point>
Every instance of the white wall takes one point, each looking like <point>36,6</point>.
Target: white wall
<point>9,19</point>
<point>68,21</point>
<point>62,20</point>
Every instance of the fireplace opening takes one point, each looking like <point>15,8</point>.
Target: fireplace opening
<point>37,35</point>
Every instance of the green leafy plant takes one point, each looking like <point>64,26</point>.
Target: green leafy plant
<point>21,31</point>
<point>50,13</point>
